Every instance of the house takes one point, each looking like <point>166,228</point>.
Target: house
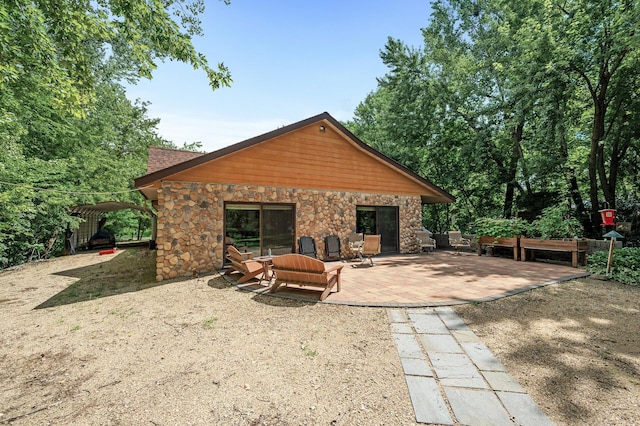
<point>311,178</point>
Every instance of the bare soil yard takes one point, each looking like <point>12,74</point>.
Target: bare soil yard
<point>90,339</point>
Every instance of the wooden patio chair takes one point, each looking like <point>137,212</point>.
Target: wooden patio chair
<point>425,241</point>
<point>370,248</point>
<point>307,246</point>
<point>457,241</point>
<point>356,241</point>
<point>244,265</point>
<point>304,271</point>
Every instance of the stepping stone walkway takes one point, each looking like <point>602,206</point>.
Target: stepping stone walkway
<point>452,377</point>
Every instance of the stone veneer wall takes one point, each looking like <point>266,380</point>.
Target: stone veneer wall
<point>190,220</point>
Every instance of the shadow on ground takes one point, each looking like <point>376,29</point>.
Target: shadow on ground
<point>585,342</point>
<point>297,297</point>
<point>129,271</point>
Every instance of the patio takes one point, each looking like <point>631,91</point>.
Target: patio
<point>439,278</point>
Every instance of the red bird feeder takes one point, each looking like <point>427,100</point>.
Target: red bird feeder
<point>608,216</point>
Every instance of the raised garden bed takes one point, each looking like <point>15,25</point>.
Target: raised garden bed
<point>577,248</point>
<point>512,243</point>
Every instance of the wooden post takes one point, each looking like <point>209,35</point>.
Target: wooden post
<point>610,259</point>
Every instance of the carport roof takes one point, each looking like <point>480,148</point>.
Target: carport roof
<point>109,206</point>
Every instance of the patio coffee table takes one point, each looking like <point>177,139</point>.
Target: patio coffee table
<point>267,262</point>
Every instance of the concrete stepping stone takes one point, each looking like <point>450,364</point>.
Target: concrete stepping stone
<point>524,409</point>
<point>397,315</point>
<point>401,328</point>
<point>477,407</point>
<point>440,343</point>
<point>428,323</point>
<point>502,381</point>
<point>465,336</point>
<point>416,367</point>
<point>451,319</point>
<point>428,403</point>
<point>456,370</point>
<point>482,356</point>
<point>408,346</point>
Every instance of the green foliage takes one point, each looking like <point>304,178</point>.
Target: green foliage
<point>501,107</point>
<point>50,46</point>
<point>500,228</point>
<point>68,134</point>
<point>625,265</point>
<point>66,161</point>
<point>555,222</point>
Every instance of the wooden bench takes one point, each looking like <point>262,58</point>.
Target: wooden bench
<point>577,248</point>
<point>303,270</point>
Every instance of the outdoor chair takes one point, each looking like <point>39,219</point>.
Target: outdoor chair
<point>370,248</point>
<point>425,241</point>
<point>356,241</point>
<point>332,247</point>
<point>304,271</point>
<point>244,265</point>
<point>457,241</point>
<point>307,246</point>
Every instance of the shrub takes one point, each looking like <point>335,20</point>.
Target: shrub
<point>625,265</point>
<point>555,222</point>
<point>500,228</point>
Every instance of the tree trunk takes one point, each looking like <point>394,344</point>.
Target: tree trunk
<point>512,171</point>
<point>597,135</point>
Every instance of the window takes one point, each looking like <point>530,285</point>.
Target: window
<point>256,228</point>
<point>383,220</point>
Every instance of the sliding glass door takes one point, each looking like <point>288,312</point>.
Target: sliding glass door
<point>383,220</point>
<point>278,229</point>
<point>256,228</point>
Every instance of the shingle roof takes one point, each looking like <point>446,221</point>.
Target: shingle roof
<point>161,158</point>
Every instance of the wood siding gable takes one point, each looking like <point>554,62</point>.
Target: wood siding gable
<point>317,153</point>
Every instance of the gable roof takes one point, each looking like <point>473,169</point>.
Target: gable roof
<point>160,158</point>
<point>149,183</point>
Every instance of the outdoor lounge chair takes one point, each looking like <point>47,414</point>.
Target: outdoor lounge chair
<point>370,248</point>
<point>332,247</point>
<point>425,241</point>
<point>457,241</point>
<point>304,271</point>
<point>356,241</point>
<point>307,246</point>
<point>239,263</point>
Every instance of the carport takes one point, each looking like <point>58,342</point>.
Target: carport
<point>91,215</point>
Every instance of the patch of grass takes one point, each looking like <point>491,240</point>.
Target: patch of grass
<point>209,323</point>
<point>75,328</point>
<point>121,315</point>
<point>307,351</point>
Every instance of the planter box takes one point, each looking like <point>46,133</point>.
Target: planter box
<point>513,243</point>
<point>577,248</point>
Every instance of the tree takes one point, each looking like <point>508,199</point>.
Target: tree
<point>598,43</point>
<point>68,134</point>
<point>509,92</point>
<point>59,40</point>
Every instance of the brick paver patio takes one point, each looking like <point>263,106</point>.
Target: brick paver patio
<point>434,279</point>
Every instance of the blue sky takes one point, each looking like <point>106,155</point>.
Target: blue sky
<point>289,59</point>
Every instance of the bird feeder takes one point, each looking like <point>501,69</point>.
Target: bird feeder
<point>608,217</point>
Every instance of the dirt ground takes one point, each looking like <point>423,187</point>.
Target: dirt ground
<point>200,351</point>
